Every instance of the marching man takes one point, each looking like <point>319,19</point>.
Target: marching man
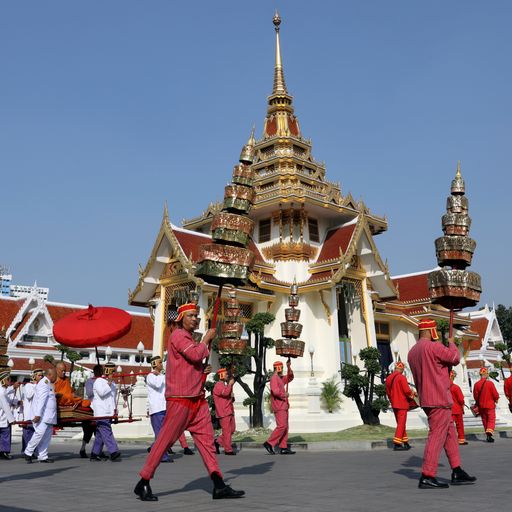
<point>6,416</point>
<point>507,387</point>
<point>486,396</point>
<point>280,406</point>
<point>457,408</point>
<point>224,410</point>
<point>157,404</point>
<point>399,393</point>
<point>104,404</point>
<point>187,408</point>
<point>44,410</point>
<point>29,391</point>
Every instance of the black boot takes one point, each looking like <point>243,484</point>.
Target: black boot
<point>221,491</point>
<point>430,482</point>
<point>399,448</point>
<point>217,447</point>
<point>144,492</point>
<point>269,448</point>
<point>114,456</point>
<point>407,445</point>
<point>460,477</point>
<point>490,439</point>
<point>5,455</point>
<point>95,457</point>
<point>188,451</point>
<point>286,451</point>
<point>83,454</point>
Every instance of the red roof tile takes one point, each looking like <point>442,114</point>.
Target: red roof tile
<point>479,326</point>
<point>413,288</point>
<point>8,310</point>
<point>336,239</point>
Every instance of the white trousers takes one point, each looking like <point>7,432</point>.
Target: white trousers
<point>40,440</point>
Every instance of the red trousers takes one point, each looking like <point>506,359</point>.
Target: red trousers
<point>441,434</point>
<point>401,420</point>
<point>184,414</point>
<point>228,427</point>
<point>183,441</point>
<point>280,434</point>
<point>488,419</point>
<point>459,425</point>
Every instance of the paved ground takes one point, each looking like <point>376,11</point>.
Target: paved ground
<point>323,481</point>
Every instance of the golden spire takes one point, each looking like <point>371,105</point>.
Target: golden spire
<point>458,169</point>
<point>458,187</point>
<point>279,83</point>
<point>247,154</point>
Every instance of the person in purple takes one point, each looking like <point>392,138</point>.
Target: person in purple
<point>6,416</point>
<point>104,404</point>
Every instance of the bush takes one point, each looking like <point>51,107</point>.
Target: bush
<point>331,394</point>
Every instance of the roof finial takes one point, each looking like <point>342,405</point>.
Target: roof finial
<point>279,83</point>
<point>458,168</point>
<point>166,211</point>
<point>247,154</point>
<point>458,187</point>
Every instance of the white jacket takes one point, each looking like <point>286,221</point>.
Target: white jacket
<point>104,400</point>
<point>156,393</point>
<point>44,402</point>
<point>28,393</point>
<point>6,402</point>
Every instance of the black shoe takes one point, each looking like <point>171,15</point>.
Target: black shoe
<point>460,477</point>
<point>165,461</point>
<point>29,459</point>
<point>188,451</point>
<point>5,455</point>
<point>115,456</point>
<point>95,457</point>
<point>169,451</point>
<point>47,461</point>
<point>490,439</point>
<point>149,449</point>
<point>217,447</point>
<point>399,448</point>
<point>103,456</point>
<point>83,454</point>
<point>269,448</point>
<point>286,451</point>
<point>407,446</point>
<point>430,482</point>
<point>144,492</point>
<point>226,493</point>
<point>229,453</point>
<point>463,443</point>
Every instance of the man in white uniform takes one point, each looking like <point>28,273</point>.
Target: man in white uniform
<point>29,390</point>
<point>104,404</point>
<point>6,415</point>
<point>44,409</point>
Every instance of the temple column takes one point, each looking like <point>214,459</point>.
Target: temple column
<point>369,320</point>
<point>157,327</point>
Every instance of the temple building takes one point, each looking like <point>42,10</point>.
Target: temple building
<point>308,231</point>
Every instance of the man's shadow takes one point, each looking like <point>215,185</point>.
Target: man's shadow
<point>409,468</point>
<point>34,475</point>
<point>205,483</point>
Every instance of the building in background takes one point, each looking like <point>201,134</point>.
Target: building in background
<point>8,289</point>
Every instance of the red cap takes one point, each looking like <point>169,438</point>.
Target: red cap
<point>278,364</point>
<point>184,308</point>
<point>483,370</point>
<point>400,365</point>
<point>429,324</point>
<point>220,371</point>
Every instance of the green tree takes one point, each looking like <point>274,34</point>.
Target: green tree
<point>369,397</point>
<point>331,394</point>
<point>504,316</point>
<point>253,362</point>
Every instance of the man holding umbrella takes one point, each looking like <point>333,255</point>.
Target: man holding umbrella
<point>187,408</point>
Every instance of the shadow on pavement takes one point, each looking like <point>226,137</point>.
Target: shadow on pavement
<point>33,475</point>
<point>257,469</point>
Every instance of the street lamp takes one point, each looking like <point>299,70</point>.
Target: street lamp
<point>140,348</point>
<point>31,362</point>
<point>311,354</point>
<point>394,349</point>
<point>464,363</point>
<point>108,353</point>
<point>10,363</point>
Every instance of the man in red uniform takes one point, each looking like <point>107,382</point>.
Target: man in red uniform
<point>224,410</point>
<point>187,408</point>
<point>399,393</point>
<point>457,408</point>
<point>507,388</point>
<point>430,362</point>
<point>486,396</point>
<point>280,406</point>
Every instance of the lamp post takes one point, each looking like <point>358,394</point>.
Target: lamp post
<point>394,349</point>
<point>354,357</point>
<point>10,363</point>
<point>311,354</point>
<point>140,348</point>
<point>464,363</point>
<point>108,353</point>
<point>31,362</point>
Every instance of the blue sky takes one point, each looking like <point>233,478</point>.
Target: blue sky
<point>108,109</point>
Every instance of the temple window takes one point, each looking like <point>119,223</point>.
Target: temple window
<point>314,235</point>
<point>383,344</point>
<point>33,338</point>
<point>264,231</point>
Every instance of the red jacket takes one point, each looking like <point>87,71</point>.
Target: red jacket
<point>223,399</point>
<point>278,398</point>
<point>508,388</point>
<point>184,370</point>
<point>430,363</point>
<point>458,399</point>
<point>398,390</point>
<point>485,395</point>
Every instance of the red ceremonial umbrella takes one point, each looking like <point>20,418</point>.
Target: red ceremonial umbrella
<point>92,327</point>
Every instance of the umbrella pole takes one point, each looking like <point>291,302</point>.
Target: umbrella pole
<point>450,332</point>
<point>216,307</point>
<point>97,355</point>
